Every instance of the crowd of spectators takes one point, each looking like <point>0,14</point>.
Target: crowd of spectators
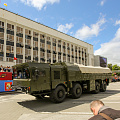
<point>6,69</point>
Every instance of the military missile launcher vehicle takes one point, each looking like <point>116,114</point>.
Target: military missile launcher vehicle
<point>60,79</point>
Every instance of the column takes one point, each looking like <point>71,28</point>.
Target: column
<point>78,54</point>
<point>31,45</point>
<point>5,37</point>
<point>57,50</point>
<point>15,42</point>
<point>66,53</point>
<point>81,54</point>
<point>70,53</point>
<point>24,45</point>
<point>45,48</point>
<point>84,55</point>
<point>39,48</point>
<point>61,51</point>
<point>74,52</point>
<point>51,50</point>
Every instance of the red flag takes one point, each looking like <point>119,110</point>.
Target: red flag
<point>15,58</point>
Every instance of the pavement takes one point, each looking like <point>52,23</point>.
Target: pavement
<point>20,106</point>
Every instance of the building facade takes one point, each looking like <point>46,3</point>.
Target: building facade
<point>28,41</point>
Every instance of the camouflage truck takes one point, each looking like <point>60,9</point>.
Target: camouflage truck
<point>60,79</point>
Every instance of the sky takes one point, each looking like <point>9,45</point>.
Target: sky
<point>96,22</point>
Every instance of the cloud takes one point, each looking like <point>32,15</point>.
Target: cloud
<point>87,32</point>
<point>117,22</point>
<point>65,28</point>
<point>39,4</point>
<point>102,2</point>
<point>111,50</point>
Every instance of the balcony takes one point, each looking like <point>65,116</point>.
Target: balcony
<point>10,32</point>
<point>1,41</point>
<point>10,43</point>
<point>54,52</point>
<point>35,48</point>
<point>28,46</point>
<point>19,35</point>
<point>1,53</point>
<point>35,39</point>
<point>2,30</point>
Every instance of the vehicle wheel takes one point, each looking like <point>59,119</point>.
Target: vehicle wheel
<point>76,91</point>
<point>97,88</point>
<point>104,86</point>
<point>58,95</point>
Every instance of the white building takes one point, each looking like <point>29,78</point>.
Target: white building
<point>100,61</point>
<point>28,40</point>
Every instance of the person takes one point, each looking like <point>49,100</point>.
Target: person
<point>2,70</point>
<point>102,112</point>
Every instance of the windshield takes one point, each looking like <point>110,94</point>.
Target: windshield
<point>21,73</point>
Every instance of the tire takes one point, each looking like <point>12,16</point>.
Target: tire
<point>58,95</point>
<point>104,86</point>
<point>76,91</point>
<point>97,88</point>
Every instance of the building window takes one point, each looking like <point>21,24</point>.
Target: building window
<point>68,59</point>
<point>19,61</point>
<point>10,27</point>
<point>26,60</point>
<point>10,37</point>
<point>54,56</point>
<point>27,32</point>
<point>8,59</point>
<point>72,60</point>
<point>42,54</point>
<point>48,47</point>
<point>19,40</point>
<point>79,61</point>
<point>2,35</point>
<point>1,47</point>
<point>28,52</point>
<point>19,50</point>
<point>1,58</point>
<point>59,58</point>
<point>1,24</point>
<point>9,49</point>
<point>75,60</point>
<point>35,53</point>
<point>28,42</point>
<point>54,48</point>
<point>35,34</point>
<point>42,45</point>
<point>35,43</point>
<point>64,58</point>
<point>19,29</point>
<point>59,49</point>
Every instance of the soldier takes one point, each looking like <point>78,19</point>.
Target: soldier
<point>102,112</point>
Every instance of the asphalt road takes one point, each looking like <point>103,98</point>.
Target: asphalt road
<point>20,106</point>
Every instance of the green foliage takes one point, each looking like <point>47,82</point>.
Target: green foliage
<point>113,74</point>
<point>115,67</point>
<point>110,66</point>
<point>118,74</point>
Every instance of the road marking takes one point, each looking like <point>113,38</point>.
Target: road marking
<point>89,102</point>
<point>70,113</point>
<point>111,102</point>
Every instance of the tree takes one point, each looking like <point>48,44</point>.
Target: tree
<point>110,66</point>
<point>115,67</point>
